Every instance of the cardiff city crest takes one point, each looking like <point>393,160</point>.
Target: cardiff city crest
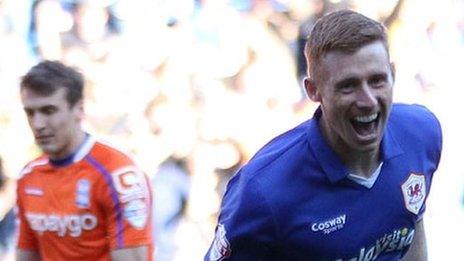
<point>414,192</point>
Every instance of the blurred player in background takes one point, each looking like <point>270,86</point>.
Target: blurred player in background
<point>7,216</point>
<point>348,184</point>
<point>82,199</point>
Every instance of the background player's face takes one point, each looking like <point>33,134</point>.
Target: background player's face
<point>355,95</point>
<point>54,123</point>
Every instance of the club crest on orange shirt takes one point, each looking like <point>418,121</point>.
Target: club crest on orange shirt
<point>83,193</point>
<point>414,192</point>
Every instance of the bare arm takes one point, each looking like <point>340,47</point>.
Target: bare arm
<point>418,249</point>
<point>130,254</point>
<point>27,255</point>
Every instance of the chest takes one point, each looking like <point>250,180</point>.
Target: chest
<point>346,220</point>
<point>61,201</point>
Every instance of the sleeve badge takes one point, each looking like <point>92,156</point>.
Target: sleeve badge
<point>414,192</point>
<point>220,249</point>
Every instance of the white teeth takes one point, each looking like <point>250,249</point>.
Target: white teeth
<point>366,119</point>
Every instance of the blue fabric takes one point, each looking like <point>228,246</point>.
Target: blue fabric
<point>7,232</point>
<point>293,200</point>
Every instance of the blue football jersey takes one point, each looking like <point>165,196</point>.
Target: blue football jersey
<point>294,200</point>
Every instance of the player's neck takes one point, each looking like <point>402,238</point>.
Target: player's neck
<point>71,148</point>
<point>362,163</point>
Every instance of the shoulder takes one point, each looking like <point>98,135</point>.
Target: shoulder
<point>416,128</point>
<point>413,112</point>
<point>34,166</point>
<point>415,120</point>
<point>273,165</point>
<point>117,168</point>
<point>253,192</point>
<point>107,156</point>
<point>280,153</point>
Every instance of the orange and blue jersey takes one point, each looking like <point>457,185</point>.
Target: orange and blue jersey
<point>83,207</point>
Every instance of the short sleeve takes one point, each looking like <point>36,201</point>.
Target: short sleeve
<point>246,228</point>
<point>433,153</point>
<point>127,202</point>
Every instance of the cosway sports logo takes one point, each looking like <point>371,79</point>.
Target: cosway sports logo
<point>330,225</point>
<point>395,241</point>
<point>62,225</point>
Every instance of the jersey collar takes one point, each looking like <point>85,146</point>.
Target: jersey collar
<point>77,155</point>
<point>331,163</point>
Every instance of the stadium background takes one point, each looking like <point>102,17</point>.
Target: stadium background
<point>194,88</point>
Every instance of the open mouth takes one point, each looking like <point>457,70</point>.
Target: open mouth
<point>365,125</point>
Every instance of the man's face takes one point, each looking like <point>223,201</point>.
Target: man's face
<point>355,95</point>
<point>54,123</point>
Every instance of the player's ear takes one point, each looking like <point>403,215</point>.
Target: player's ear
<point>312,90</point>
<point>78,109</point>
<point>393,70</point>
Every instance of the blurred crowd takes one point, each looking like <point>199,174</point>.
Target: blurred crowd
<point>193,88</point>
